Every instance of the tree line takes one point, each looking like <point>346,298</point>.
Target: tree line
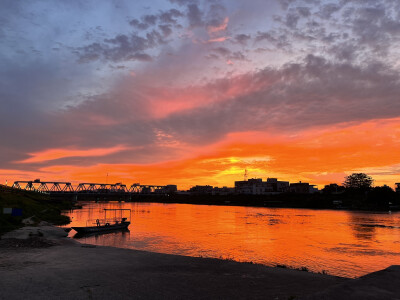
<point>358,191</point>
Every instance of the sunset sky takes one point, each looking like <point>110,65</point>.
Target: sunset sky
<point>193,92</point>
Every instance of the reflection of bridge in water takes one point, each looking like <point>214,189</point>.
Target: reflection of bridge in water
<point>57,187</point>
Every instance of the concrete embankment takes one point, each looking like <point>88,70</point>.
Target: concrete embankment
<point>382,285</point>
<point>61,268</point>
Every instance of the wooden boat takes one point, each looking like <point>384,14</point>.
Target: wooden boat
<point>100,233</point>
<point>105,224</point>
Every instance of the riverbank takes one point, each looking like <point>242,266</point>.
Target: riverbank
<point>61,268</point>
<point>70,270</point>
<point>20,207</point>
<point>345,201</point>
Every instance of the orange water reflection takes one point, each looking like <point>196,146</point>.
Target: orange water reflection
<point>342,243</point>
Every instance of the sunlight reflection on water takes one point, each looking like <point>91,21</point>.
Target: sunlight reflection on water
<point>341,243</point>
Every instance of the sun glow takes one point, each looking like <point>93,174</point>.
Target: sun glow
<point>319,156</point>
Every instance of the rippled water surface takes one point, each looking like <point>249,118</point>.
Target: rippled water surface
<point>341,243</point>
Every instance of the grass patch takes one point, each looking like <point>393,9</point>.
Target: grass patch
<point>304,269</point>
<point>36,205</point>
<point>281,266</point>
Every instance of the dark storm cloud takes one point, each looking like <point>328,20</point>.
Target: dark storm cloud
<point>122,48</point>
<point>304,11</point>
<point>139,25</point>
<point>338,74</point>
<point>170,16</point>
<point>279,40</point>
<point>86,126</point>
<point>292,20</point>
<point>298,96</point>
<point>183,2</point>
<point>295,97</point>
<point>374,27</point>
<point>285,3</point>
<point>343,30</point>
<point>315,92</point>
<point>212,56</point>
<point>242,38</point>
<point>238,55</point>
<point>30,93</point>
<point>345,51</point>
<point>222,51</point>
<point>166,30</point>
<point>228,54</point>
<point>150,19</point>
<point>269,36</point>
<point>165,17</point>
<point>132,47</point>
<point>327,10</point>
<point>194,15</point>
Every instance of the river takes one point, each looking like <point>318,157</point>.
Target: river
<point>341,243</point>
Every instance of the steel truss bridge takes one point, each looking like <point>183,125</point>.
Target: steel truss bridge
<point>56,187</point>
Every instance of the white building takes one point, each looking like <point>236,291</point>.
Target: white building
<point>258,187</point>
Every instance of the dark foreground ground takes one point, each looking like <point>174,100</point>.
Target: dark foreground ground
<point>52,267</point>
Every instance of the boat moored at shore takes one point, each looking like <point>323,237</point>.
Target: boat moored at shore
<point>106,224</point>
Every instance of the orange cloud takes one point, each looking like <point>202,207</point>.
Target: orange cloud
<point>53,154</point>
<point>319,156</point>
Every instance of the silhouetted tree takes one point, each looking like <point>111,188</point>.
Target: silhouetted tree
<point>333,188</point>
<point>382,196</point>
<point>358,181</point>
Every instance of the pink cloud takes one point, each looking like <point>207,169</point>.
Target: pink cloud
<point>164,101</point>
<point>218,28</point>
<point>218,40</point>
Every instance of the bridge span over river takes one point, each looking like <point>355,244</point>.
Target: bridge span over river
<point>59,187</point>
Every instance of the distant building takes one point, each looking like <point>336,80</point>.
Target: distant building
<point>146,190</point>
<point>313,189</point>
<point>300,187</point>
<point>168,189</point>
<point>303,188</point>
<point>258,187</point>
<point>223,191</point>
<point>249,187</point>
<point>183,192</point>
<point>201,190</point>
<point>278,186</point>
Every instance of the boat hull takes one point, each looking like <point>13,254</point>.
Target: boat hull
<point>90,229</point>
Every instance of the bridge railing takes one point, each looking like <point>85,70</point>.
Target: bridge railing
<point>88,187</point>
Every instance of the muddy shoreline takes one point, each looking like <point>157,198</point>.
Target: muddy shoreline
<point>62,268</point>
